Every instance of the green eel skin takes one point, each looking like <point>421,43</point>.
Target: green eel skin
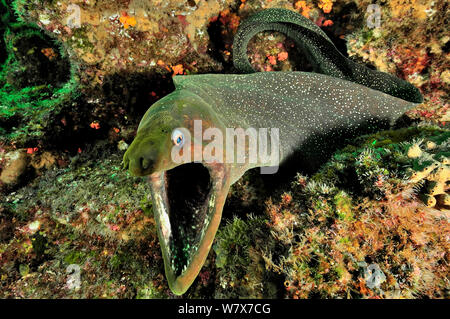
<point>188,198</point>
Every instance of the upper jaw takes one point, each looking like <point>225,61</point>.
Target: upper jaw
<point>187,211</point>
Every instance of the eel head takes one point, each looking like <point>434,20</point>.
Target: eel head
<point>188,196</point>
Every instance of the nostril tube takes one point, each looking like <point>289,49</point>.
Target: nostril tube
<point>125,163</point>
<point>145,163</point>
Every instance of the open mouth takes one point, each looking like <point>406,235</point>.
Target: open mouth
<point>188,188</point>
<point>188,202</point>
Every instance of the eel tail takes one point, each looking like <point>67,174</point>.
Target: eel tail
<point>319,51</point>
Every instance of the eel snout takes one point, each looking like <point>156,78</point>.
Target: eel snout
<point>137,162</point>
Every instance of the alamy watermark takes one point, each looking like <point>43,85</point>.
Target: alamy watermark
<point>74,277</point>
<point>250,146</point>
<point>74,19</point>
<point>374,16</point>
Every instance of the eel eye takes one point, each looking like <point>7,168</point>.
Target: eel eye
<point>177,137</point>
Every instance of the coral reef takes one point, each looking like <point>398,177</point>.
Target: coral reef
<point>356,228</point>
<point>352,230</point>
<point>410,43</point>
<point>371,223</point>
<point>89,214</point>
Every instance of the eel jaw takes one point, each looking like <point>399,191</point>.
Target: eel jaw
<point>188,202</point>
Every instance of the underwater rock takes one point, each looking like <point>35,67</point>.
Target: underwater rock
<point>15,164</point>
<point>138,36</point>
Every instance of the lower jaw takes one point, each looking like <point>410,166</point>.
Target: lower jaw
<point>179,284</point>
<point>219,190</point>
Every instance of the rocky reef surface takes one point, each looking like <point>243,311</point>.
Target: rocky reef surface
<point>373,222</point>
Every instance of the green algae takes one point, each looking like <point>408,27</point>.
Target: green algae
<point>34,88</point>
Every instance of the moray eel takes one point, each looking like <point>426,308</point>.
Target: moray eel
<point>188,197</point>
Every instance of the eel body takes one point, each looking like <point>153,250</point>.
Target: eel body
<point>188,196</point>
<point>319,51</point>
